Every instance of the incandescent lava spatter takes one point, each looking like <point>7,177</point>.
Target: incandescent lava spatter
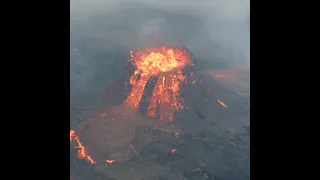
<point>110,137</point>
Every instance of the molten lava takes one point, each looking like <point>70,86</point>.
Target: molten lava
<point>82,152</point>
<point>167,65</point>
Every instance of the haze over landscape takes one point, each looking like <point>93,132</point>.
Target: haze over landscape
<point>216,141</point>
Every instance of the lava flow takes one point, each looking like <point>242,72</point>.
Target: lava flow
<point>110,137</point>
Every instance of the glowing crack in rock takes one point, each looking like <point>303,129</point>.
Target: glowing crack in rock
<point>110,161</point>
<point>173,151</point>
<point>82,152</point>
<point>211,92</point>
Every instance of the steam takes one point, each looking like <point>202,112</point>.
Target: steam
<point>214,30</point>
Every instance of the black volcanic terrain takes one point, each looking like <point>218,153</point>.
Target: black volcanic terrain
<point>215,143</point>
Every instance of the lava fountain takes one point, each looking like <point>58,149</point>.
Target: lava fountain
<point>167,65</point>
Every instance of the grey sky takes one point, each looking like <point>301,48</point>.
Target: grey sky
<point>214,30</point>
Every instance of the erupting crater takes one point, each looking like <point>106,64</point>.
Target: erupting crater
<point>110,137</point>
<point>167,65</point>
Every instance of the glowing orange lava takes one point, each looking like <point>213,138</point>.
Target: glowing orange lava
<point>222,103</point>
<point>71,135</point>
<point>104,114</point>
<point>110,161</point>
<point>211,92</point>
<point>165,96</point>
<point>82,153</point>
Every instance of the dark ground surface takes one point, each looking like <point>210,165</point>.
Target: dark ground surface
<point>216,141</point>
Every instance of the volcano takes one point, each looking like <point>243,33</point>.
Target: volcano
<point>154,79</point>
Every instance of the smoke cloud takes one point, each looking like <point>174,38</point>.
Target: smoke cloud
<point>216,31</point>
